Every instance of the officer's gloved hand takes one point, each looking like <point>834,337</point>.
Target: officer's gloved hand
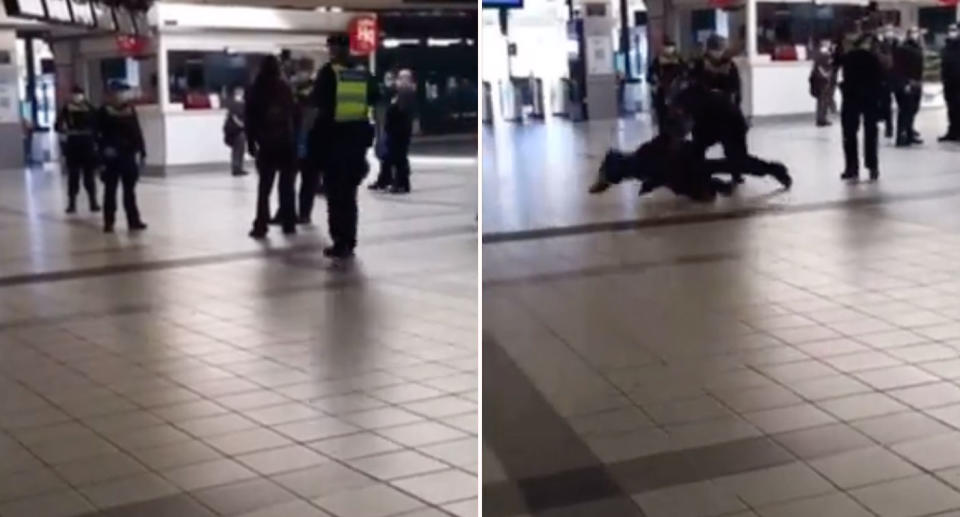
<point>142,158</point>
<point>252,149</point>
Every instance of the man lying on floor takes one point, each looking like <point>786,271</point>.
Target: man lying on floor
<point>680,166</point>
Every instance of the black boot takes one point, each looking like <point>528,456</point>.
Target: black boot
<point>850,175</point>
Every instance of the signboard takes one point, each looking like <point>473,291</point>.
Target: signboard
<point>131,45</point>
<point>363,35</point>
<point>599,55</point>
<point>9,107</point>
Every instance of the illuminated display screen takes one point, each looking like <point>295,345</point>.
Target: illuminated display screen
<point>59,11</point>
<point>504,4</point>
<point>26,8</point>
<point>83,12</point>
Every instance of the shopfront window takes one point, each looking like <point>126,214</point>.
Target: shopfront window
<point>788,29</point>
<point>199,79</point>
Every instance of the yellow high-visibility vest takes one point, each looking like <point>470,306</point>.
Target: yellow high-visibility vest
<point>351,95</point>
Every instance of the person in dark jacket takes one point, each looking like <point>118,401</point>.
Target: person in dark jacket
<point>123,153</point>
<point>712,102</point>
<point>908,84</point>
<point>343,94</point>
<point>388,90</point>
<point>886,46</point>
<point>77,122</point>
<point>678,164</point>
<point>271,139</point>
<point>664,72</point>
<point>950,75</point>
<point>861,90</point>
<point>399,130</point>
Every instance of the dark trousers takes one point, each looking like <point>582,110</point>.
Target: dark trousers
<point>398,162</point>
<point>270,162</point>
<point>121,171</point>
<point>951,95</point>
<point>342,177</point>
<point>733,141</point>
<point>852,112</point>
<point>908,104</point>
<point>81,165</point>
<point>886,109</point>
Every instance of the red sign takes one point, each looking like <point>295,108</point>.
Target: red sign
<point>363,35</point>
<point>131,45</point>
<point>948,2</point>
<point>720,4</point>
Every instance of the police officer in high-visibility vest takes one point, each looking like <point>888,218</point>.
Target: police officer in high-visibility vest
<point>343,94</point>
<point>76,122</point>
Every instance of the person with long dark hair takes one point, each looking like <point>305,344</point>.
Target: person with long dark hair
<point>272,142</point>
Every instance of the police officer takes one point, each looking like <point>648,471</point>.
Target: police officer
<point>664,72</point>
<point>950,74</point>
<point>908,81</point>
<point>713,103</point>
<point>343,95</point>
<point>861,91</point>
<point>123,153</point>
<point>77,121</point>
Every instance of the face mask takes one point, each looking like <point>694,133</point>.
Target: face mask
<point>715,54</point>
<point>669,50</point>
<point>953,34</point>
<point>77,98</point>
<point>238,97</point>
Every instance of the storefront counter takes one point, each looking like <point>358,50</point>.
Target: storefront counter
<point>776,88</point>
<point>177,138</point>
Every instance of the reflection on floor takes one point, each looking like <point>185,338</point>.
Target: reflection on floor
<point>792,362</point>
<point>190,371</point>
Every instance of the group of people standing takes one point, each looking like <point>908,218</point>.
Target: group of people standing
<point>108,139</point>
<point>877,67</point>
<point>321,128</point>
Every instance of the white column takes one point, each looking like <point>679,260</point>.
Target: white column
<point>163,77</point>
<point>751,32</point>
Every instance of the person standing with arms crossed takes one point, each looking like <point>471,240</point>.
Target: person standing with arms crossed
<point>342,134</point>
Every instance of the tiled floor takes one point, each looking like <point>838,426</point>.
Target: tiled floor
<point>799,359</point>
<point>190,371</point>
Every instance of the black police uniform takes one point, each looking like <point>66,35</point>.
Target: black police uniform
<point>950,74</point>
<point>122,149</point>
<point>77,120</point>
<point>861,90</point>
<point>713,103</point>
<point>341,147</point>
<point>680,166</point>
<point>908,80</point>
<point>664,71</point>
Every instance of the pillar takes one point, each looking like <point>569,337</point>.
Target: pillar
<point>751,29</point>
<point>163,74</point>
<point>11,130</point>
